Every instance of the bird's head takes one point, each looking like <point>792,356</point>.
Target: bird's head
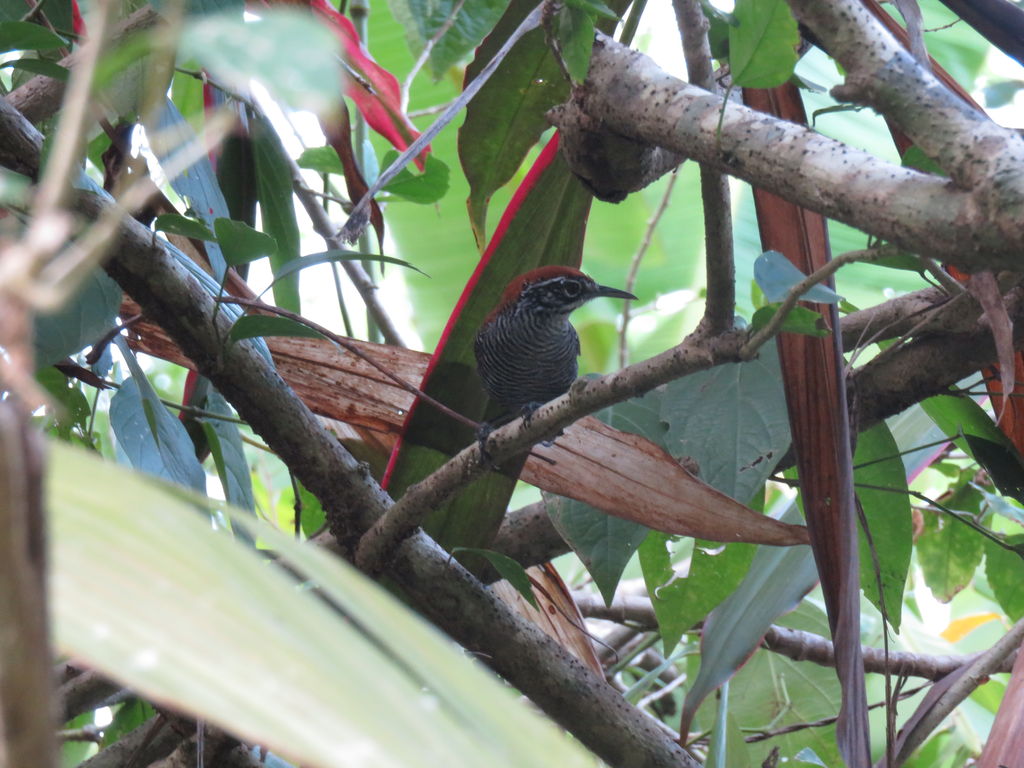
<point>553,290</point>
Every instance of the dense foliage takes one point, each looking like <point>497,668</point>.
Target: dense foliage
<point>767,528</point>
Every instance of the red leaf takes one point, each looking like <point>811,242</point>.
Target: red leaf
<point>374,90</point>
<point>816,398</point>
<point>77,22</point>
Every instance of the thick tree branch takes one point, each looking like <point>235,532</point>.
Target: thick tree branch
<point>924,367</point>
<point>528,536</point>
<point>40,97</point>
<point>977,153</point>
<point>975,230</point>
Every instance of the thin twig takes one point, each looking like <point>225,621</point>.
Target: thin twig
<point>362,282</point>
<point>360,218</point>
<point>427,111</point>
<point>765,735</point>
<point>425,54</point>
<point>798,290</point>
<point>987,663</point>
<point>720,266</point>
<point>634,265</point>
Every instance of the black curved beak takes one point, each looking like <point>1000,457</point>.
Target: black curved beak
<point>614,293</point>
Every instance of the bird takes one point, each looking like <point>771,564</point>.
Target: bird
<point>526,349</point>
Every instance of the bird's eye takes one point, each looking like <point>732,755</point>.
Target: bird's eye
<point>571,289</point>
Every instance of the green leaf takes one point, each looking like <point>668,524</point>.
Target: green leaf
<point>604,543</point>
<point>38,67</point>
<point>506,118</point>
<point>81,322</point>
<point>905,261</point>
<point>424,20</point>
<point>728,747</point>
<point>144,589</point>
<point>313,515</point>
<point>593,7</point>
<point>778,579</point>
<point>777,276</point>
<point>13,187</point>
<point>277,208</point>
<point>948,551</point>
<point>772,691</point>
<point>1001,93</point>
<point>292,53</point>
<point>800,320</point>
<point>332,256</point>
<point>427,187</point>
<point>732,420</point>
<point>915,157</point>
<point>575,29</point>
<point>228,453</point>
<point>679,603</point>
<point>322,160</point>
<point>75,408</point>
<point>252,326</point>
<point>877,463</point>
<point>762,43</point>
<point>153,440</point>
<point>241,243</point>
<point>26,36</point>
<point>974,432</point>
<point>176,224</point>
<point>508,569</point>
<point>1001,505</point>
<point>1005,573</point>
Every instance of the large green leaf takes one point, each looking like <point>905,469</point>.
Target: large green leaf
<point>948,551</point>
<point>679,603</point>
<point>291,53</point>
<point>507,116</point>
<point>1005,573</point>
<point>225,443</point>
<point>604,543</point>
<point>778,579</point>
<point>877,463</point>
<point>762,43</point>
<point>277,207</point>
<point>976,434</point>
<point>424,20</point>
<point>732,421</point>
<point>775,691</point>
<point>152,439</point>
<point>148,593</point>
<point>86,317</point>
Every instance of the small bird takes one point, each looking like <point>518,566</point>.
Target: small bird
<point>526,349</point>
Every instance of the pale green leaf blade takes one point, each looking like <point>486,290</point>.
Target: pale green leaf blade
<point>206,626</point>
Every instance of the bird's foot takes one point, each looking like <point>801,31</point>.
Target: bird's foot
<point>527,412</point>
<point>482,433</point>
